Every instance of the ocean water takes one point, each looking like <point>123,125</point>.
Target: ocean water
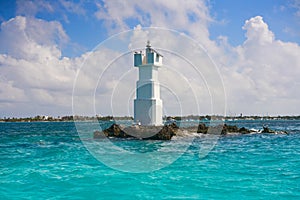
<point>48,160</point>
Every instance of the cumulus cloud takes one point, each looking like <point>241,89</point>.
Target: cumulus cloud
<point>31,66</point>
<point>23,37</point>
<point>191,17</point>
<point>257,31</point>
<point>34,73</point>
<point>264,76</point>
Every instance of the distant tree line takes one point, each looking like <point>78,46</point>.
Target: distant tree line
<point>63,118</point>
<point>167,118</point>
<point>215,117</point>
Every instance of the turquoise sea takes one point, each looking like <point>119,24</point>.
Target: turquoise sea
<point>48,160</point>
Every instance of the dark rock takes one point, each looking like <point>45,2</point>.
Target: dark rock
<point>267,130</point>
<point>113,131</point>
<point>223,129</point>
<point>166,133</point>
<point>243,130</point>
<point>219,129</point>
<point>142,132</point>
<point>173,126</point>
<point>230,129</point>
<point>202,128</point>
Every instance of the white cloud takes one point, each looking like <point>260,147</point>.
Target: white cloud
<point>73,7</point>
<point>31,67</point>
<point>191,16</point>
<point>33,71</point>
<point>23,37</point>
<point>257,31</point>
<point>265,74</point>
<point>31,7</point>
<point>9,93</point>
<point>296,4</point>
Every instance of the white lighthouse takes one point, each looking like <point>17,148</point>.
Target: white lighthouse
<point>148,105</point>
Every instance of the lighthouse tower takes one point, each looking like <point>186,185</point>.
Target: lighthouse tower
<point>148,105</point>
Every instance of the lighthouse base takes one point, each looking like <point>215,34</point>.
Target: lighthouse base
<point>149,112</point>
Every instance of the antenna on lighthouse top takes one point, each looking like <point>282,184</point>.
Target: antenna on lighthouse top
<point>148,44</point>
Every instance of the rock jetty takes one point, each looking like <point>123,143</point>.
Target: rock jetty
<point>166,132</point>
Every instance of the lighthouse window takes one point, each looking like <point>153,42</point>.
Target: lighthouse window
<point>157,58</point>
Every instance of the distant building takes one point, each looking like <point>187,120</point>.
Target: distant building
<point>148,105</point>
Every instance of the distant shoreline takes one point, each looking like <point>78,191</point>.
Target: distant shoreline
<point>166,118</point>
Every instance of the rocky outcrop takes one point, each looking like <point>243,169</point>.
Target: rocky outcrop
<point>113,131</point>
<point>243,130</point>
<point>202,128</point>
<point>221,129</point>
<point>165,132</point>
<point>229,129</point>
<point>267,130</point>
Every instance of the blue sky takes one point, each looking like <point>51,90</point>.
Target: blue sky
<point>243,37</point>
<point>279,14</point>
